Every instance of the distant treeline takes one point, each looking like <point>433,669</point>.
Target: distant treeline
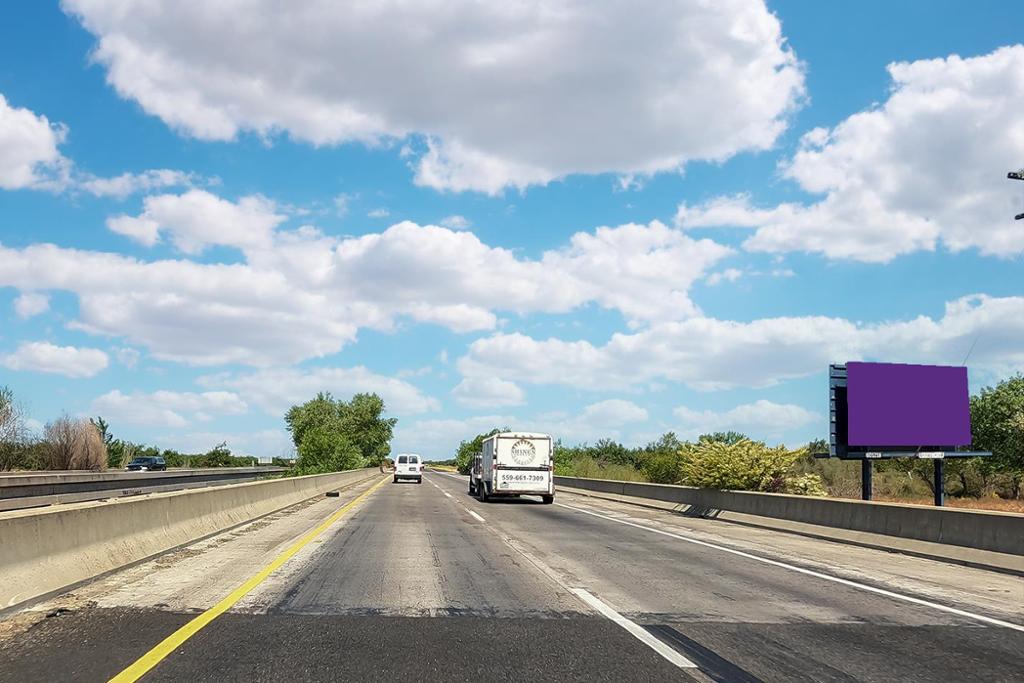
<point>70,443</point>
<point>731,460</point>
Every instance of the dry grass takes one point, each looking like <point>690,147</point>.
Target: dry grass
<point>987,503</point>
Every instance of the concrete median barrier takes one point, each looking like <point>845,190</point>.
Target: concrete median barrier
<point>989,531</point>
<point>43,551</point>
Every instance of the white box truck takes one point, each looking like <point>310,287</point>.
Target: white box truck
<point>514,464</point>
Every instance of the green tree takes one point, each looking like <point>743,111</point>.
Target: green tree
<point>997,424</point>
<point>729,437</point>
<point>363,424</point>
<point>331,433</point>
<point>468,449</point>
<point>325,450</point>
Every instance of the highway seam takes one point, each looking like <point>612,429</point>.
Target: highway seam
<point>808,572</point>
<point>148,661</point>
<point>634,629</point>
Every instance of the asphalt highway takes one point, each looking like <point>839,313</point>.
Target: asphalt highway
<point>422,582</point>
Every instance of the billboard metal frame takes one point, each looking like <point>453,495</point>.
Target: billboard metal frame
<point>838,446</point>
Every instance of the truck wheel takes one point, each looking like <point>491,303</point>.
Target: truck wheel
<point>395,481</point>
<point>548,500</point>
<point>483,491</point>
<point>472,489</point>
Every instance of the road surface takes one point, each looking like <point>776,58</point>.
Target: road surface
<point>422,582</point>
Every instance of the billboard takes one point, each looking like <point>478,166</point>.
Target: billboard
<point>907,405</point>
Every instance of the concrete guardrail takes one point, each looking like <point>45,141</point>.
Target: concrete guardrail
<point>49,549</point>
<point>999,532</point>
<point>21,484</point>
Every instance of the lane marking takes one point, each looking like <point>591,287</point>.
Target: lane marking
<point>447,495</point>
<point>808,572</point>
<point>637,631</point>
<point>478,517</point>
<point>172,642</point>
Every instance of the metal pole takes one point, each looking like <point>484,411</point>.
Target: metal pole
<point>940,492</point>
<point>866,470</point>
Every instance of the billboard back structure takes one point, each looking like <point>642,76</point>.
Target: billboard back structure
<point>895,405</point>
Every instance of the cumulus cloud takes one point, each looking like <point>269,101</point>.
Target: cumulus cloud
<point>439,438</point>
<point>29,157</point>
<point>710,354</point>
<point>512,94</point>
<point>330,288</point>
<point>488,392</point>
<point>69,361</point>
<point>198,219</point>
<point>760,419</point>
<point>30,304</point>
<point>167,408</point>
<point>276,389</point>
<point>925,168</point>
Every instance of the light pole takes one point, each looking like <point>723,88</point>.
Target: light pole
<point>1017,175</point>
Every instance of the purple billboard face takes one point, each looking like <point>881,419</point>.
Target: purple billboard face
<point>907,405</point>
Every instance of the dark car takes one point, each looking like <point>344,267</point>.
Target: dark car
<point>147,464</point>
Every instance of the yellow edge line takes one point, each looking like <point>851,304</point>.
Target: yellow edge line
<point>169,644</point>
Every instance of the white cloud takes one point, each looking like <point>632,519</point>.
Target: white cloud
<point>602,420</point>
<point>166,408</point>
<point>727,275</point>
<point>760,420</point>
<point>925,168</point>
<point>69,361</point>
<point>341,204</point>
<point>488,392</point>
<point>379,213</point>
<point>131,183</point>
<point>29,157</point>
<point>30,304</point>
<point>512,93</point>
<point>197,219</point>
<point>456,222</point>
<point>709,354</point>
<point>127,356</point>
<point>277,389</point>
<point>211,313</point>
<point>438,439</point>
<point>271,443</point>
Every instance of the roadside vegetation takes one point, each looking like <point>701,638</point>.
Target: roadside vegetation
<point>331,435</point>
<point>731,460</point>
<point>71,443</point>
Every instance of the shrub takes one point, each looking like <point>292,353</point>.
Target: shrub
<point>71,444</point>
<point>664,468</point>
<point>744,465</point>
<point>806,485</point>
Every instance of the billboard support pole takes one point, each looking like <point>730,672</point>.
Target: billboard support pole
<point>940,490</point>
<point>866,471</point>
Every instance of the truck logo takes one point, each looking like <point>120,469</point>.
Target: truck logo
<point>523,452</point>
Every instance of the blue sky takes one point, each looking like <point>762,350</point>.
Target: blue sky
<point>591,221</point>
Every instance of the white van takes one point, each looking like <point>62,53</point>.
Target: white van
<point>409,466</point>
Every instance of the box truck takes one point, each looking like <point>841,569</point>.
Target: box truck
<point>514,464</point>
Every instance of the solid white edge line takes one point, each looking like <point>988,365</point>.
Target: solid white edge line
<point>810,572</point>
<point>637,631</point>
